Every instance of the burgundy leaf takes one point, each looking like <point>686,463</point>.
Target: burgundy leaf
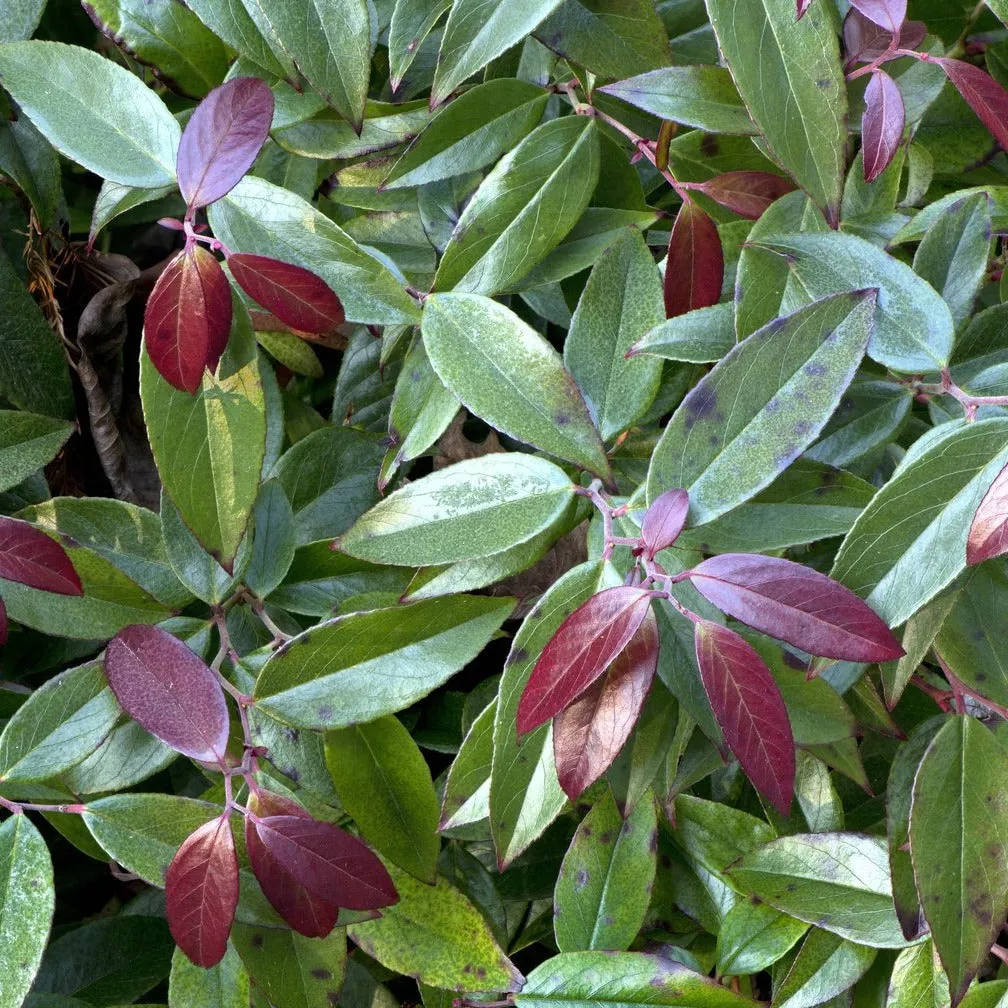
<point>803,5</point>
<point>694,270</point>
<point>201,892</point>
<point>749,710</point>
<point>296,296</point>
<point>663,521</point>
<point>222,139</point>
<point>882,124</point>
<point>865,41</point>
<point>748,193</point>
<point>796,604</point>
<point>3,622</point>
<point>169,691</point>
<point>580,651</point>
<point>887,14</point>
<point>31,558</point>
<point>188,318</point>
<point>329,863</point>
<point>988,535</point>
<point>588,734</point>
<point>983,94</point>
<point>307,914</point>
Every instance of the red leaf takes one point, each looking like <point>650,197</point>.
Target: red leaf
<point>201,892</point>
<point>588,734</point>
<point>796,604</point>
<point>748,707</point>
<point>983,94</point>
<point>305,913</point>
<point>188,318</point>
<point>748,193</point>
<point>803,5</point>
<point>988,535</point>
<point>329,863</point>
<point>580,651</point>
<point>294,295</point>
<point>887,14</point>
<point>169,691</point>
<point>663,521</point>
<point>31,558</point>
<point>865,41</point>
<point>694,270</point>
<point>882,124</point>
<point>222,138</point>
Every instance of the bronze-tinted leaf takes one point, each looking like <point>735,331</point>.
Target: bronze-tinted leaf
<point>694,270</point>
<point>887,14</point>
<point>747,193</point>
<point>982,93</point>
<point>882,124</point>
<point>31,558</point>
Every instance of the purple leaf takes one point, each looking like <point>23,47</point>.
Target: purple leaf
<point>222,139</point>
<point>983,94</point>
<point>580,651</point>
<point>988,535</point>
<point>802,6</point>
<point>694,270</point>
<point>747,193</point>
<point>749,709</point>
<point>329,863</point>
<point>882,124</point>
<point>294,295</point>
<point>887,14</point>
<point>589,733</point>
<point>865,41</point>
<point>796,604</point>
<point>307,914</point>
<point>201,892</point>
<point>188,318</point>
<point>169,691</point>
<point>31,558</point>
<point>663,521</point>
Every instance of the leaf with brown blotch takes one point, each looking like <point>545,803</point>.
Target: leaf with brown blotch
<point>988,535</point>
<point>749,709</point>
<point>589,733</point>
<point>882,124</point>
<point>694,270</point>
<point>30,557</point>
<point>747,193</point>
<point>579,652</point>
<point>201,892</point>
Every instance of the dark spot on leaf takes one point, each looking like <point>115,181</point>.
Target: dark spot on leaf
<point>480,972</point>
<point>257,940</point>
<point>981,677</point>
<point>773,406</point>
<point>995,850</point>
<point>291,734</point>
<point>792,660</point>
<point>626,829</point>
<point>468,968</point>
<point>710,145</point>
<point>791,887</point>
<point>606,837</point>
<point>518,655</point>
<point>699,403</point>
<point>824,85</point>
<point>561,419</point>
<point>978,635</point>
<point>666,861</point>
<point>580,880</point>
<point>755,900</point>
<point>325,712</point>
<point>292,772</point>
<point>802,428</point>
<point>815,370</point>
<point>321,973</point>
<point>653,841</point>
<point>333,998</point>
<point>606,920</point>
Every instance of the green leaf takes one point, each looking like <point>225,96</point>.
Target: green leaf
<point>225,985</point>
<point>790,76</point>
<point>820,804</point>
<point>467,788</point>
<point>384,783</point>
<point>34,166</point>
<point>209,451</point>
<point>471,132</point>
<point>412,21</point>
<point>959,857</point>
<point>475,35</point>
<point>168,36</point>
<point>292,971</point>
<point>94,111</point>
<point>27,442</point>
<point>954,253</point>
<point>523,209</point>
<point>702,336</point>
<point>621,301</point>
<point>19,19</point>
<point>274,542</point>
<point>913,327</point>
<point>359,667</point>
<point>231,23</point>
<point>190,562</point>
<point>910,542</point>
<point>704,97</point>
<point>918,636</point>
<point>825,967</point>
<point>715,835</point>
<point>291,351</point>
<point>127,756</point>
<point>60,724</point>
<point>582,979</point>
<point>987,995</point>
<point>265,219</point>
<point>330,43</point>
<point>114,199</point>
<point>918,980</point>
<point>753,937</point>
<point>761,406</point>
<point>436,935</point>
<point>605,881</point>
<point>837,881</point>
<point>27,900</point>
<point>467,510</point>
<point>506,373</point>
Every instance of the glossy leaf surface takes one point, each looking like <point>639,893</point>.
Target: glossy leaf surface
<point>694,269</point>
<point>32,558</point>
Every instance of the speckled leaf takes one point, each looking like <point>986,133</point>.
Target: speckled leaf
<point>715,835</point>
<point>837,881</point>
<point>824,968</point>
<point>225,985</point>
<point>605,880</point>
<point>703,336</point>
<point>436,935</point>
<point>753,937</point>
<point>918,980</point>
<point>27,442</point>
<point>761,406</point>
<point>506,373</point>
<point>231,23</point>
<point>412,21</point>
<point>364,665</point>
<point>957,845</point>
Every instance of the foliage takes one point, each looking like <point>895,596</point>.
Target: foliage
<point>503,504</point>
